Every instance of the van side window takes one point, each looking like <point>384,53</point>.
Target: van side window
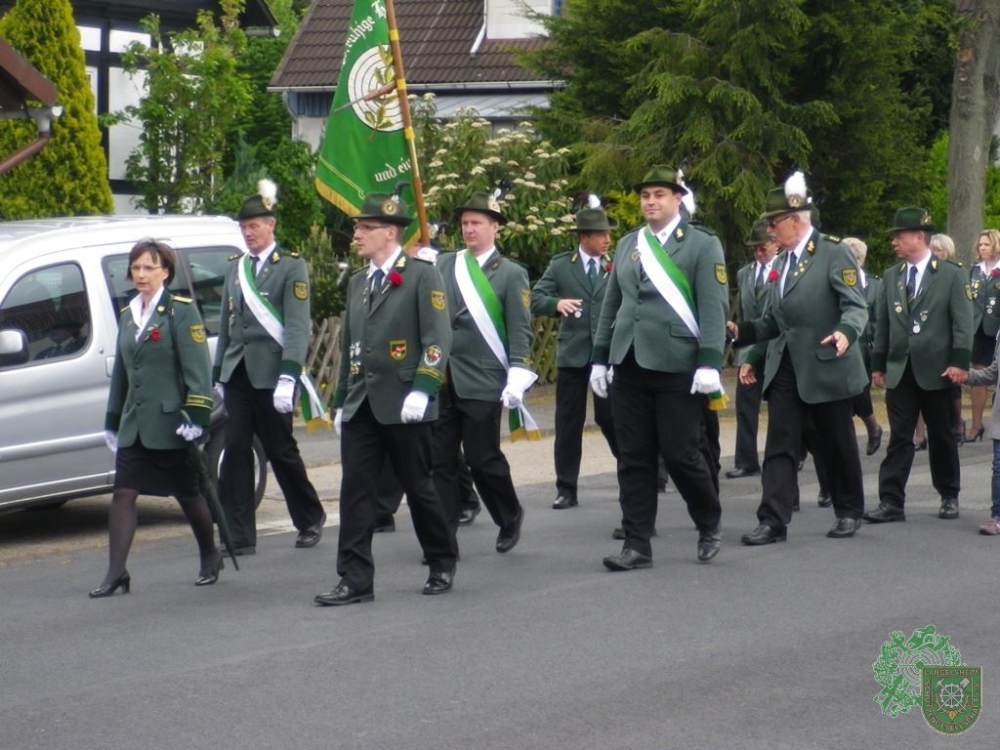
<point>50,306</point>
<point>206,269</point>
<point>119,287</point>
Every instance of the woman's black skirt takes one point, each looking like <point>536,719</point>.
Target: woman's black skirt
<point>155,472</point>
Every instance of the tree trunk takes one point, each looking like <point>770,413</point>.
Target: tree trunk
<point>975,105</point>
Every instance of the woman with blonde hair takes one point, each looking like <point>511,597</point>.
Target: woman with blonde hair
<point>984,281</point>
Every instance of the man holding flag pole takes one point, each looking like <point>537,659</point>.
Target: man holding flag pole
<point>489,368</point>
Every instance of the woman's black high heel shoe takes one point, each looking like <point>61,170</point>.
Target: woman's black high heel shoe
<point>207,579</point>
<point>977,435</point>
<point>124,581</point>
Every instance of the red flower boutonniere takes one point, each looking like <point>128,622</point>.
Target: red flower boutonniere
<point>995,272</point>
<point>154,335</point>
<point>608,267</point>
<point>773,275</point>
<point>395,278</point>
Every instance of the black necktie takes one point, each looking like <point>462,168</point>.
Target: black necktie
<point>592,271</point>
<point>254,260</point>
<point>911,285</point>
<point>377,279</point>
<point>759,283</point>
<point>792,261</point>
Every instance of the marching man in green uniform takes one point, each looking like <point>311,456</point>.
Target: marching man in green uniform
<point>263,339</point>
<point>395,347</point>
<point>815,313</point>
<point>572,288</point>
<point>489,368</point>
<point>663,328</point>
<point>923,345</point>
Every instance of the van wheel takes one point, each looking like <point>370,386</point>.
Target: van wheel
<point>215,450</point>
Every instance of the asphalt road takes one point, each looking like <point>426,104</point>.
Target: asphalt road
<point>541,648</point>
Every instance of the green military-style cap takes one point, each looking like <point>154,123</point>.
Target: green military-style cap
<point>758,235</point>
<point>593,220</point>
<point>384,207</point>
<point>484,203</point>
<point>661,174</point>
<point>261,204</point>
<point>793,196</point>
<point>912,219</point>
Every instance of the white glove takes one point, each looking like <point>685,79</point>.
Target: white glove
<point>429,254</point>
<point>706,380</point>
<point>611,375</point>
<point>284,393</point>
<point>111,440</point>
<point>190,432</point>
<point>338,421</point>
<point>599,380</point>
<point>219,391</point>
<point>519,379</point>
<point>414,407</point>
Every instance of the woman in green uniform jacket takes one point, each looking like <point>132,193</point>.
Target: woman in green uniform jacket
<point>160,400</point>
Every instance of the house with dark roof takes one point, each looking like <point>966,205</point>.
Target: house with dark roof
<point>462,51</point>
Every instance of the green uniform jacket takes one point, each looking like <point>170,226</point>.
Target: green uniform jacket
<point>634,314</point>
<point>823,295</point>
<point>284,281</point>
<point>932,333</point>
<point>146,398</point>
<point>985,295</point>
<point>396,344</point>
<point>474,370</point>
<point>751,304</point>
<point>565,278</point>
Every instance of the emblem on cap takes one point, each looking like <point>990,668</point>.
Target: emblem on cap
<point>926,218</point>
<point>794,201</point>
<point>390,207</point>
<point>493,204</point>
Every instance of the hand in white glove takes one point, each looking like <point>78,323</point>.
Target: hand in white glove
<point>519,379</point>
<point>611,375</point>
<point>111,440</point>
<point>511,397</point>
<point>599,380</point>
<point>338,421</point>
<point>284,393</point>
<point>219,391</point>
<point>429,254</point>
<point>706,380</point>
<point>190,432</point>
<point>414,407</point>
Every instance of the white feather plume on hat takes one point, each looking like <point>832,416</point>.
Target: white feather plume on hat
<point>687,200</point>
<point>268,192</point>
<point>796,190</point>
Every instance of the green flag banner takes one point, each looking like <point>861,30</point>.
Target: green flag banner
<point>363,147</point>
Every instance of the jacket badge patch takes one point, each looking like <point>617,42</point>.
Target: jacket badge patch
<point>720,274</point>
<point>301,290</point>
<point>850,276</point>
<point>397,349</point>
<point>432,355</point>
<point>198,334</point>
<point>525,297</point>
<point>437,300</point>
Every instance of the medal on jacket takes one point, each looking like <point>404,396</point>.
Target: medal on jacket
<point>916,328</point>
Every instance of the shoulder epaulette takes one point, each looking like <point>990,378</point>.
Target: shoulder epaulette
<point>235,257</point>
<point>707,230</point>
<point>522,264</point>
<point>562,254</point>
<point>415,257</point>
<point>123,309</point>
<point>291,253</point>
<point>363,269</point>
<point>182,300</point>
<point>834,238</point>
<point>954,263</point>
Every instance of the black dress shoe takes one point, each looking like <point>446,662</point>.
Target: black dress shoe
<point>874,441</point>
<point>564,501</point>
<point>619,533</point>
<point>740,473</point>
<point>796,505</point>
<point>310,537</point>
<point>763,534</point>
<point>628,559</point>
<point>949,508</point>
<point>385,525</point>
<point>124,582</point>
<point>800,464</point>
<point>207,579</point>
<point>468,514</point>
<point>438,583</point>
<point>708,544</point>
<point>824,500</point>
<point>507,538</point>
<point>885,513</point>
<point>845,527</point>
<point>344,594</point>
<point>244,551</point>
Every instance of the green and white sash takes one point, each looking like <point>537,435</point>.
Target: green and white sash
<point>676,291</point>
<point>310,403</point>
<point>487,314</point>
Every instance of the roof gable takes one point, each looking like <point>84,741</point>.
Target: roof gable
<point>437,38</point>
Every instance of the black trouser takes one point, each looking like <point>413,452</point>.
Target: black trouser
<point>390,491</point>
<point>836,451</point>
<point>903,403</point>
<point>364,446</point>
<point>572,387</point>
<point>862,403</point>
<point>747,421</point>
<point>472,426</point>
<point>656,414</point>
<point>251,412</point>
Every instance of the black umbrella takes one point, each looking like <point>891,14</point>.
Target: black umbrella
<point>198,462</point>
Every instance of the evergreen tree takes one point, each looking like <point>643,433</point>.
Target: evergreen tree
<point>69,176</point>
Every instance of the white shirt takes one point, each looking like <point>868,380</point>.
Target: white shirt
<point>586,257</point>
<point>664,234</point>
<point>141,317</point>
<point>765,267</point>
<point>798,258</point>
<point>386,267</point>
<point>264,255</point>
<point>921,266</point>
<point>481,259</point>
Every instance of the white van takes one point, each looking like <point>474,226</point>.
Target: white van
<point>62,285</point>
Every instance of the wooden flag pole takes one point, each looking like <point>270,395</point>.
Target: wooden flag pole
<point>404,110</point>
